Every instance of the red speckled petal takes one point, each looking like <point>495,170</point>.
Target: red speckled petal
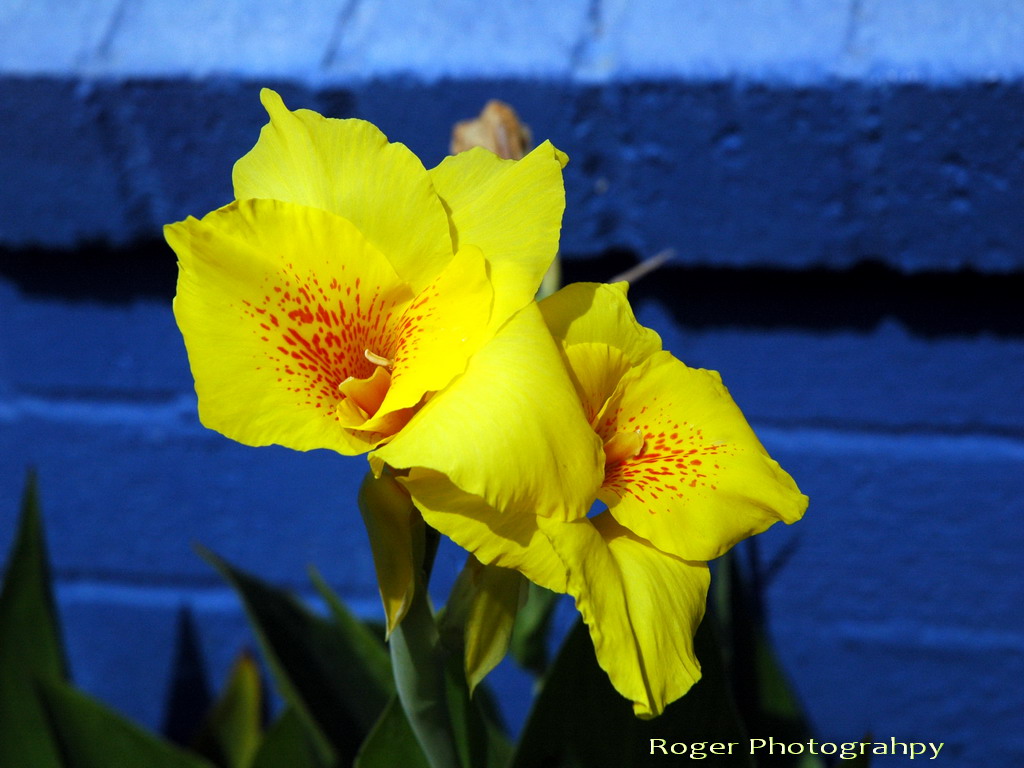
<point>702,481</point>
<point>438,332</point>
<point>278,304</point>
<point>510,430</point>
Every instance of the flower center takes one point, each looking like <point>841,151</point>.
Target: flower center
<point>362,398</point>
<point>622,446</point>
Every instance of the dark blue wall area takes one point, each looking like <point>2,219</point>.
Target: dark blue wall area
<point>849,241</point>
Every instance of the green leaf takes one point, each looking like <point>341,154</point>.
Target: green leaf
<point>766,700</point>
<point>481,741</point>
<point>232,731</point>
<point>530,634</point>
<point>92,736</point>
<point>311,660</point>
<point>287,744</point>
<point>580,720</point>
<point>421,683</point>
<point>368,649</point>
<point>30,646</point>
<point>450,727</point>
<point>391,742</point>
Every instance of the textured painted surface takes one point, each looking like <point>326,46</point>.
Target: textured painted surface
<point>843,185</point>
<point>917,175</point>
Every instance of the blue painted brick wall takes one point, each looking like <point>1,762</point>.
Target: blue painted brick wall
<point>843,185</point>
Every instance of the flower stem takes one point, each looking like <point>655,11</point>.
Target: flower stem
<point>419,669</point>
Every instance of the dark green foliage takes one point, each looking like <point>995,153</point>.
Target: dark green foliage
<point>30,645</point>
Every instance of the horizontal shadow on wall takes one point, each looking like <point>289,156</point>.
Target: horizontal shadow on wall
<point>146,270</point>
<point>929,304</point>
<point>859,298</point>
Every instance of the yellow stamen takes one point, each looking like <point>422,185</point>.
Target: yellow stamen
<point>376,359</point>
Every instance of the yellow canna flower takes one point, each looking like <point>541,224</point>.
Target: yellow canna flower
<point>347,286</point>
<point>685,479</point>
<point>346,283</point>
<point>681,473</point>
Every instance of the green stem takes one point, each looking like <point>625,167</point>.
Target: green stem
<point>418,664</point>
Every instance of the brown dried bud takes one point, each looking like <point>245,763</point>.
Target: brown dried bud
<point>497,129</point>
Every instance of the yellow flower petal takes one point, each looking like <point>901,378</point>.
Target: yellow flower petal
<point>599,313</point>
<point>511,210</point>
<point>438,332</point>
<point>396,538</point>
<point>349,168</point>
<point>595,370</point>
<point>701,481</point>
<point>278,305</point>
<point>509,539</point>
<point>642,607</point>
<point>510,430</point>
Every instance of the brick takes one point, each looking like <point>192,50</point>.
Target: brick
<point>62,186</point>
<point>89,348</point>
<point>163,484</point>
<point>862,373</point>
<point>52,36</point>
<point>911,530</point>
<point>659,39</point>
<point>726,174</point>
<point>127,490</point>
<point>940,184</point>
<point>429,40</point>
<point>894,603</point>
<point>196,38</point>
<point>952,40</point>
<point>178,141</point>
<point>916,176</point>
<point>859,681</point>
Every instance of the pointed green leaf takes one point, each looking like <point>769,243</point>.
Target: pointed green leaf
<point>481,741</point>
<point>579,720</point>
<point>451,620</point>
<point>92,736</point>
<point>780,714</point>
<point>232,731</point>
<point>368,649</point>
<point>30,646</point>
<point>530,633</point>
<point>311,661</point>
<point>287,744</point>
<point>391,742</point>
<point>766,701</point>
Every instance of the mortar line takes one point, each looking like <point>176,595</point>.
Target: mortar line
<point>345,15</point>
